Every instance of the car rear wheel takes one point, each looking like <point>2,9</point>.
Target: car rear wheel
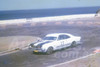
<point>49,50</point>
<point>73,43</point>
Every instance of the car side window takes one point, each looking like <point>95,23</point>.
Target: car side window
<point>61,37</point>
<point>66,36</point>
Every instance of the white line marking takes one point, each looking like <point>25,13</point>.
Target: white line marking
<point>71,60</point>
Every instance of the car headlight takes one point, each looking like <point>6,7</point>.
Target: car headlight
<point>38,46</point>
<point>31,45</point>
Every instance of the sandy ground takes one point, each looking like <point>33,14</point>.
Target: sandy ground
<point>15,42</point>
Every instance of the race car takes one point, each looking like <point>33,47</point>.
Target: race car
<point>55,41</point>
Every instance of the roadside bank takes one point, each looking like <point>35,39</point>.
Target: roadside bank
<point>15,43</point>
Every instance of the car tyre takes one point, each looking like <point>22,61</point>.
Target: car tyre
<point>73,43</point>
<point>49,50</point>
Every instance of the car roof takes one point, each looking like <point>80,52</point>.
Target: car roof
<point>57,34</point>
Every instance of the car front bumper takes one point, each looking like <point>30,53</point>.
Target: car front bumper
<point>38,51</point>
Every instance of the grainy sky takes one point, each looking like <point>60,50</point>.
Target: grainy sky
<point>45,4</point>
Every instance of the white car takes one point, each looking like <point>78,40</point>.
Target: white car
<point>55,41</point>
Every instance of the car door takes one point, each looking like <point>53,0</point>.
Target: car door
<point>60,42</point>
<point>67,40</point>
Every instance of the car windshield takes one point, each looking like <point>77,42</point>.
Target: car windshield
<point>49,38</point>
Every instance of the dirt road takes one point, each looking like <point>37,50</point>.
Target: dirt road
<point>90,38</point>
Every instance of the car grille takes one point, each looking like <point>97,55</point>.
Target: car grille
<point>37,47</point>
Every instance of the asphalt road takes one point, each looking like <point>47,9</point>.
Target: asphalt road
<point>25,58</point>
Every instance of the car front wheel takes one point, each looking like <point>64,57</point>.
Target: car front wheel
<point>49,50</point>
